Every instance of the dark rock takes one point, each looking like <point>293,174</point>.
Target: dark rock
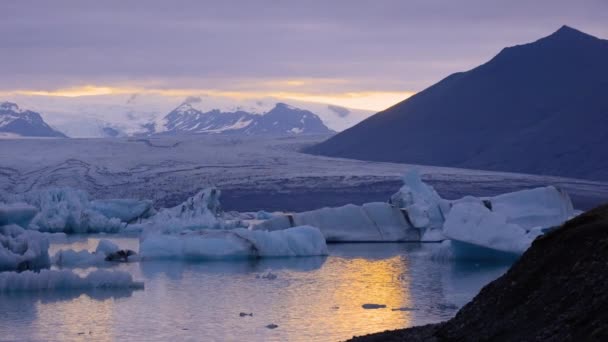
<point>555,292</point>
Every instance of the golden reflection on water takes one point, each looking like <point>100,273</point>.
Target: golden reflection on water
<point>356,282</point>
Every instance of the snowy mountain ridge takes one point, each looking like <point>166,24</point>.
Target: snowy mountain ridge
<point>283,119</point>
<point>134,114</point>
<point>15,121</point>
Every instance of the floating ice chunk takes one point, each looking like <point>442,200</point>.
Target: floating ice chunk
<point>106,247</point>
<point>21,249</point>
<point>17,213</point>
<point>472,223</point>
<point>198,212</point>
<point>84,258</point>
<point>370,222</point>
<point>539,207</point>
<point>234,244</point>
<point>67,210</point>
<point>263,215</point>
<point>268,275</point>
<point>126,210</point>
<point>51,280</point>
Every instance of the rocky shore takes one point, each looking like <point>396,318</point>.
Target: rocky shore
<point>555,292</point>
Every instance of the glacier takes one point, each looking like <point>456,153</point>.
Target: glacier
<point>55,280</point>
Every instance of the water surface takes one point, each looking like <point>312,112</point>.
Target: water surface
<point>311,299</point>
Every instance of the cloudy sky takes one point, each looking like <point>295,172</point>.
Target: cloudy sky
<point>362,54</point>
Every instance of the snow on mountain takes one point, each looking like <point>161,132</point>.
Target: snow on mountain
<point>282,119</point>
<point>15,121</point>
<point>134,114</point>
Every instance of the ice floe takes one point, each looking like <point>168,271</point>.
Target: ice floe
<point>506,223</point>
<point>50,280</point>
<point>22,249</point>
<point>234,244</point>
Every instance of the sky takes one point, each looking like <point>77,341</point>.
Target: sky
<point>358,54</point>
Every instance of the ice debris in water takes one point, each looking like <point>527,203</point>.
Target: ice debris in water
<point>106,251</point>
<point>17,213</point>
<point>373,306</point>
<point>234,244</point>
<point>49,280</point>
<point>66,210</point>
<point>268,275</point>
<point>201,211</point>
<point>486,227</point>
<point>22,249</point>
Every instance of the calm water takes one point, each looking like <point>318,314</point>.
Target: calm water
<point>311,299</point>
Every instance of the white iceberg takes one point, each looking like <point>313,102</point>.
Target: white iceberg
<point>67,210</point>
<point>505,223</point>
<point>126,210</point>
<point>234,244</point>
<point>474,224</point>
<point>21,249</point>
<point>17,213</point>
<point>201,211</point>
<point>371,222</point>
<point>53,280</point>
<point>84,258</point>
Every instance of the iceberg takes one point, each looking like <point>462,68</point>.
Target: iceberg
<point>22,249</point>
<point>236,243</point>
<point>67,210</point>
<point>371,222</point>
<point>17,213</point>
<point>54,280</point>
<point>106,254</point>
<point>506,223</point>
<point>126,210</point>
<point>472,223</point>
<point>201,211</point>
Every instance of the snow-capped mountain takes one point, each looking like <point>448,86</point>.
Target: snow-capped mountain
<point>15,121</point>
<point>283,119</point>
<point>99,116</point>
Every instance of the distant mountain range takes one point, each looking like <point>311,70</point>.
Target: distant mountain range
<point>283,119</point>
<point>537,108</point>
<point>15,121</point>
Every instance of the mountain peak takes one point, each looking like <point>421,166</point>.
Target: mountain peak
<point>9,106</point>
<point>568,34</point>
<point>282,105</point>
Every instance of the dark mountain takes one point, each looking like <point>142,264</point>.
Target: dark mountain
<point>281,120</point>
<point>24,123</point>
<point>535,108</point>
